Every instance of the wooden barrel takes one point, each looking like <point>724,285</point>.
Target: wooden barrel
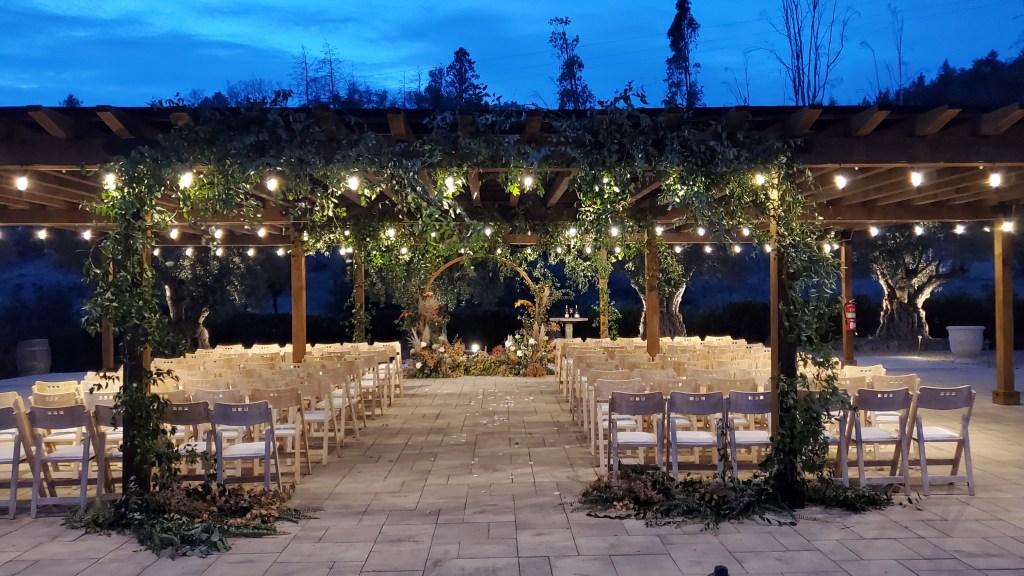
<point>33,357</point>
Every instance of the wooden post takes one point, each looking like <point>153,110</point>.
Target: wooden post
<point>603,300</point>
<point>147,352</point>
<point>1004,393</point>
<point>846,255</point>
<point>359,295</point>
<point>652,316</point>
<point>107,339</point>
<point>775,321</point>
<point>298,286</point>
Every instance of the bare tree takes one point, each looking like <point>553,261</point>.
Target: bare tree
<point>302,75</point>
<point>815,37</point>
<point>740,89</point>
<point>328,81</point>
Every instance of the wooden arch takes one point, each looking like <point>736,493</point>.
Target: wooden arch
<point>449,264</point>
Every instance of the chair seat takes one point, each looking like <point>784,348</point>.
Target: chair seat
<point>66,454</point>
<point>696,438</point>
<point>872,434</point>
<point>621,422</point>
<point>752,437</point>
<point>939,434</point>
<point>680,420</point>
<point>315,415</point>
<point>7,454</point>
<point>286,429</point>
<point>887,418</point>
<point>114,454</point>
<point>244,450</point>
<point>637,438</point>
<point>62,436</point>
<point>832,438</point>
<point>339,402</point>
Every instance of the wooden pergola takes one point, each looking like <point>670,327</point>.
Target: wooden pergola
<point>870,166</point>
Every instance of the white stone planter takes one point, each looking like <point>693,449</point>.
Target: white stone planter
<point>966,341</point>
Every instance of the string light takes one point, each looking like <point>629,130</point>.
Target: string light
<point>918,230</point>
<point>403,250</point>
<point>349,250</point>
<point>618,249</point>
<point>572,231</point>
<point>262,232</point>
<point>767,248</point>
<point>745,231</point>
<point>271,183</point>
<point>390,232</point>
<point>341,251</point>
<point>708,249</point>
<point>186,180</point>
<point>678,248</point>
<point>995,179</point>
<point>701,231</point>
<point>488,231</point>
<point>614,231</point>
<point>840,181</point>
<point>347,232</point>
<point>759,179</point>
<point>87,234</point>
<point>987,229</point>
<point>219,251</point>
<point>189,251</point>
<point>873,231</point>
<point>528,180</point>
<point>353,182</point>
<point>1007,226</point>
<point>474,348</point>
<point>156,251</point>
<point>218,233</point>
<point>174,233</point>
<point>449,184</point>
<point>41,233</point>
<point>558,249</point>
<point>21,183</point>
<point>959,229</point>
<point>588,250</point>
<point>498,251</point>
<point>737,248</point>
<point>658,230</point>
<point>826,248</point>
<point>280,251</point>
<point>916,178</point>
<point>110,181</point>
<point>251,252</point>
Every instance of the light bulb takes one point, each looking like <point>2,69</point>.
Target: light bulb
<point>701,231</point>
<point>658,230</point>
<point>918,229</point>
<point>614,231</point>
<point>528,181</point>
<point>826,248</point>
<point>759,179</point>
<point>341,251</point>
<point>403,250</point>
<point>737,248</point>
<point>251,252</point>
<point>745,231</point>
<point>708,249</point>
<point>488,231</point>
<point>767,248</point>
<point>959,229</point>
<point>87,234</point>
<point>449,184</point>
<point>280,251</point>
<point>41,233</point>
<point>987,228</point>
<point>558,249</point>
<point>588,250</point>
<point>474,348</point>
<point>110,181</point>
<point>21,183</point>
<point>916,178</point>
<point>186,179</point>
<point>353,182</point>
<point>618,249</point>
<point>218,233</point>
<point>219,251</point>
<point>347,231</point>
<point>678,248</point>
<point>497,250</point>
<point>995,179</point>
<point>156,251</point>
<point>390,232</point>
<point>572,231</point>
<point>840,181</point>
<point>189,251</point>
<point>873,231</point>
<point>262,232</point>
<point>836,246</point>
<point>272,183</point>
<point>1007,226</point>
<point>174,233</point>
<point>349,250</point>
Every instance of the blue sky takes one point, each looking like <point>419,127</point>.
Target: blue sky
<point>127,52</point>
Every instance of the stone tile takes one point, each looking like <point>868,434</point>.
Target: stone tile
<point>326,552</point>
<point>492,548</point>
<point>61,567</point>
<point>187,565</point>
<point>619,545</point>
<point>787,562</point>
<point>474,567</point>
<point>880,550</point>
<point>661,564</point>
<point>396,558</point>
<point>299,569</point>
<point>875,568</point>
<point>240,564</point>
<point>979,553</point>
<point>556,542</point>
<point>348,534</point>
<point>582,566</point>
<point>534,567</point>
<point>750,543</point>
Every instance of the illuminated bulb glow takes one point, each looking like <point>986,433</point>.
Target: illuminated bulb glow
<point>873,231</point>
<point>987,229</point>
<point>390,232</point>
<point>262,232</point>
<point>558,250</point>
<point>41,233</point>
<point>353,182</point>
<point>488,231</point>
<point>218,233</point>
<point>271,183</point>
<point>995,179</point>
<point>737,248</point>
<point>110,181</point>
<point>174,233</point>
<point>618,249</point>
<point>658,230</point>
<point>186,180</point>
<point>87,234</point>
<point>826,248</point>
<point>1007,226</point>
<point>347,232</point>
<point>588,249</point>
<point>349,250</point>
<point>916,178</point>
<point>497,251</point>
<point>767,248</point>
<point>708,249</point>
<point>189,251</point>
<point>251,252</point>
<point>840,181</point>
<point>918,229</point>
<point>156,251</point>
<point>745,231</point>
<point>678,248</point>
<point>219,251</point>
<point>959,229</point>
<point>528,181</point>
<point>403,250</point>
<point>759,179</point>
<point>701,231</point>
<point>572,231</point>
<point>614,231</point>
<point>21,183</point>
<point>449,184</point>
<point>474,348</point>
<point>280,251</point>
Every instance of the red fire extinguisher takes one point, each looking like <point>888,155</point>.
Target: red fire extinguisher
<point>850,316</point>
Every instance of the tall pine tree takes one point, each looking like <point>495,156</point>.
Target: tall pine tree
<point>682,89</point>
<point>462,87</point>
<point>573,92</point>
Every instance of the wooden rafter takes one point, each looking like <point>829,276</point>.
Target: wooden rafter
<point>531,127</point>
<point>401,131</point>
<point>473,181</point>
<point>559,186</point>
<point>55,123</point>
<point>930,122</point>
<point>865,121</point>
<point>998,121</point>
<point>644,190</point>
<point>115,121</point>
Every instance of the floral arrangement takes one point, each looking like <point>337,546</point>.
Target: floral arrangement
<point>440,359</point>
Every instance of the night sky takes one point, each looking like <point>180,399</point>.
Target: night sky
<point>127,52</point>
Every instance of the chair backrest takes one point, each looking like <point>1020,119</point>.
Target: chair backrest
<point>892,382</point>
<point>696,404</point>
<point>10,419</point>
<point>603,389</point>
<point>741,402</point>
<point>637,403</point>
<point>933,398</point>
<point>187,414</point>
<point>897,400</point>
<point>244,414</point>
<point>648,374</point>
<point>174,396</point>
<point>869,371</point>
<point>107,416</point>
<point>595,375</point>
<point>9,399</point>
<point>668,385</point>
<point>278,398</point>
<point>213,396</point>
<point>55,387</point>
<point>51,400</point>
<point>99,398</point>
<point>59,417</point>
<point>853,383</point>
<point>728,385</point>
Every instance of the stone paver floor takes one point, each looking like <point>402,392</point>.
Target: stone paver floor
<point>472,476</point>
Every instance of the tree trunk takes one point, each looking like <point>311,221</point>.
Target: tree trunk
<point>901,318</point>
<point>184,321</point>
<point>670,315</point>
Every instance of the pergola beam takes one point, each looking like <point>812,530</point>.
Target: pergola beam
<point>906,214</point>
<point>55,123</point>
<point>865,121</point>
<point>114,120</point>
<point>930,122</point>
<point>559,186</point>
<point>473,181</point>
<point>998,121</point>
<point>401,131</point>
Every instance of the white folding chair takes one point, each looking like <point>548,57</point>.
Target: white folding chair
<point>257,418</point>
<point>897,401</point>
<point>635,406</point>
<point>685,410</point>
<point>11,453</point>
<point>752,407</point>
<point>944,399</point>
<point>74,416</point>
